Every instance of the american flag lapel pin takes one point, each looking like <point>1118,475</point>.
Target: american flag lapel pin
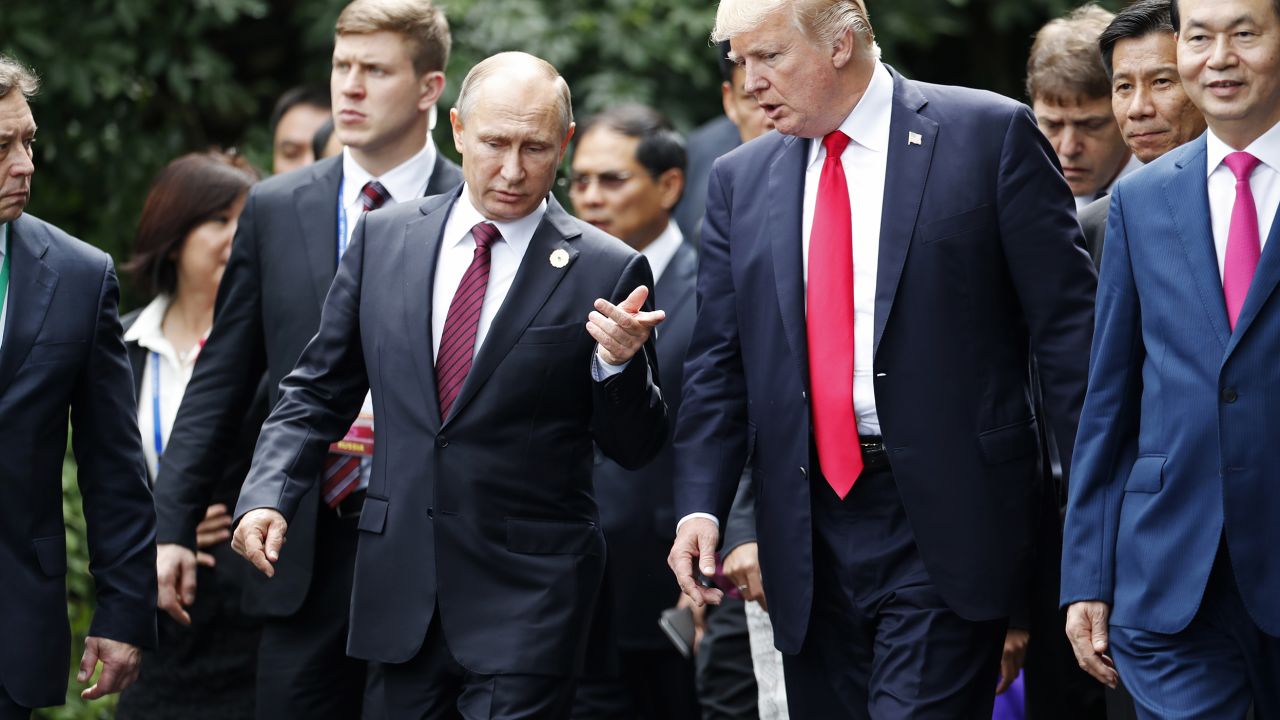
<point>913,138</point>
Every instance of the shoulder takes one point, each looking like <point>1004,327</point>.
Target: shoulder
<point>1181,161</point>
<point>128,319</point>
<point>284,185</point>
<point>59,249</point>
<point>953,102</point>
<point>758,153</point>
<point>1094,214</point>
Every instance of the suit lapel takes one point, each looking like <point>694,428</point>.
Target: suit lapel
<point>420,252</point>
<point>31,284</point>
<point>786,219</point>
<point>534,282</point>
<point>1261,287</point>
<point>678,281</point>
<point>445,176</point>
<point>316,203</point>
<point>1187,196</point>
<point>904,183</point>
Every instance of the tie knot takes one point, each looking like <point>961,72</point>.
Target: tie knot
<point>485,234</point>
<point>373,195</point>
<point>835,143</point>
<point>1241,164</point>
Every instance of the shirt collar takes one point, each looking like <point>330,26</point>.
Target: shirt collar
<point>146,328</point>
<point>868,123</point>
<point>516,233</point>
<point>663,248</point>
<point>406,181</point>
<point>4,236</point>
<point>1266,148</point>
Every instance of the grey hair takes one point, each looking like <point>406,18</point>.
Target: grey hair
<point>496,63</point>
<point>14,74</point>
<point>823,20</point>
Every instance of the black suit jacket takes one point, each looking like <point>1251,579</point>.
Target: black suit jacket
<point>62,351</point>
<point>636,505</point>
<point>282,262</point>
<point>488,516</point>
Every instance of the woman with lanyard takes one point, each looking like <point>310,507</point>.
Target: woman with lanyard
<point>184,237</point>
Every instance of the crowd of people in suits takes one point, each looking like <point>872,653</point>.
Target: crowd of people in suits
<point>836,408</point>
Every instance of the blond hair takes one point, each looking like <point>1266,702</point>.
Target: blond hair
<point>420,22</point>
<point>14,74</point>
<point>822,20</point>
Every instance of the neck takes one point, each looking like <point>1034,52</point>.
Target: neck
<point>189,317</point>
<point>647,236</point>
<point>379,159</point>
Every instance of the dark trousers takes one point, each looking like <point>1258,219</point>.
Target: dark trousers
<point>652,684</point>
<point>10,709</point>
<point>726,678</point>
<point>1214,668</point>
<point>303,668</point>
<point>881,642</point>
<point>433,686</point>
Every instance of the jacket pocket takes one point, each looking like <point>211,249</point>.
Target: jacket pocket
<point>551,334</point>
<point>1147,475</point>
<point>373,517</point>
<point>553,537</point>
<point>970,221</point>
<point>1009,442</point>
<point>48,352</point>
<point>51,553</point>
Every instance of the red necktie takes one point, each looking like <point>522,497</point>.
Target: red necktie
<point>458,341</point>
<point>829,322</point>
<point>1244,244</point>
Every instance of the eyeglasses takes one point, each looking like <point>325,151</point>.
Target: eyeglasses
<point>607,180</point>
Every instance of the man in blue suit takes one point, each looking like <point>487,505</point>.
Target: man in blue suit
<point>61,354</point>
<point>878,271</point>
<point>1170,559</point>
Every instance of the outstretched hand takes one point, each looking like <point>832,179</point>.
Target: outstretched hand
<point>621,330</point>
<point>259,537</point>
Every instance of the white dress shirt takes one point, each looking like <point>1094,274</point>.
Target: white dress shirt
<point>4,299</point>
<point>175,372</point>
<point>662,249</point>
<point>865,163</point>
<point>1264,183</point>
<point>406,181</point>
<point>456,251</point>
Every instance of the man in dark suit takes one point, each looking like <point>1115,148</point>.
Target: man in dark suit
<point>61,352</point>
<point>480,554</point>
<point>878,271</point>
<point>628,174</point>
<point>388,64</point>
<point>1139,50</point>
<point>1170,562</point>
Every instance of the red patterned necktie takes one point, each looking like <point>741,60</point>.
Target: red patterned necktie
<point>458,341</point>
<point>342,470</point>
<point>1244,242</point>
<point>829,322</point>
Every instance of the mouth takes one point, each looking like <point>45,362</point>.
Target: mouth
<point>506,197</point>
<point>771,110</point>
<point>350,117</point>
<point>1074,172</point>
<point>1147,135</point>
<point>1224,88</point>
<point>16,195</point>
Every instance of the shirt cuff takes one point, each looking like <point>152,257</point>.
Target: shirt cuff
<point>691,516</point>
<point>601,370</point>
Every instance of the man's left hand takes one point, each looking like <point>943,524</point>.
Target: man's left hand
<point>120,663</point>
<point>1015,653</point>
<point>621,330</point>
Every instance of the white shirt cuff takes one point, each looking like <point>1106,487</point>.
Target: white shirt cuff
<point>601,370</point>
<point>691,516</point>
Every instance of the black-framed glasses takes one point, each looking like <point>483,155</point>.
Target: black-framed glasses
<point>607,180</point>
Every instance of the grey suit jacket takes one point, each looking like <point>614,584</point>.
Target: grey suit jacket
<point>1093,220</point>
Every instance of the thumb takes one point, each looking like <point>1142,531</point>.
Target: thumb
<point>89,661</point>
<point>707,552</point>
<point>1099,634</point>
<point>635,300</point>
<point>275,538</point>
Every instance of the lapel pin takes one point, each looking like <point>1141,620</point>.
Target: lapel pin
<point>559,258</point>
<point>913,138</point>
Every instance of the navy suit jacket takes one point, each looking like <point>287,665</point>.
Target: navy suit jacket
<point>282,262</point>
<point>1177,445</point>
<point>63,351</point>
<point>980,259</point>
<point>487,516</point>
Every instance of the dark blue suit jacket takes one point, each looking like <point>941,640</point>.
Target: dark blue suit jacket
<point>63,351</point>
<point>1177,444</point>
<point>486,516</point>
<point>980,259</point>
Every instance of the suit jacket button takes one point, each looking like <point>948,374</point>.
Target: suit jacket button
<point>442,442</point>
<point>1229,395</point>
<point>803,472</point>
<point>431,513</point>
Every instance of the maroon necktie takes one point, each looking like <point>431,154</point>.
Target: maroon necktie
<point>829,322</point>
<point>458,341</point>
<point>373,195</point>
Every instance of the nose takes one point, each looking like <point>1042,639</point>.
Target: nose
<point>1221,55</point>
<point>512,169</point>
<point>1070,141</point>
<point>1141,105</point>
<point>24,164</point>
<point>590,194</point>
<point>351,82</point>
<point>754,81</point>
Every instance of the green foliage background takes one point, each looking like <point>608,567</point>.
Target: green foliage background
<point>131,84</point>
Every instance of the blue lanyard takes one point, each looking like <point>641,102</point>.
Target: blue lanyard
<point>342,221</point>
<point>155,403</point>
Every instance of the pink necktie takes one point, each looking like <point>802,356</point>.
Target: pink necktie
<point>458,341</point>
<point>1244,246</point>
<point>829,321</point>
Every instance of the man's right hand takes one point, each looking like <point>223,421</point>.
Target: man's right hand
<point>1087,630</point>
<point>742,566</point>
<point>258,538</point>
<point>695,542</point>
<point>176,575</point>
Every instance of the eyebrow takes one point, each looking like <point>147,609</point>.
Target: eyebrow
<point>1245,19</point>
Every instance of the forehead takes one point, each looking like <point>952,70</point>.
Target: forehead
<point>1078,110</point>
<point>382,47</point>
<point>602,148</point>
<point>776,29</point>
<point>1146,53</point>
<point>15,115</point>
<point>511,110</point>
<point>1226,13</point>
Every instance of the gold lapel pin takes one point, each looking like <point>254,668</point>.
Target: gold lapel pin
<point>913,138</point>
<point>559,258</point>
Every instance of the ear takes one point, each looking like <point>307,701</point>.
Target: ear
<point>455,121</point>
<point>430,86</point>
<point>670,185</point>
<point>846,47</point>
<point>726,101</point>
<point>564,146</point>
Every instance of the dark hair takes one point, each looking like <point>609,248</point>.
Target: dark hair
<point>189,191</point>
<point>660,149</point>
<point>1140,19</point>
<point>1064,65</point>
<point>321,138</point>
<point>1176,21</point>
<point>302,95</point>
<point>726,65</point>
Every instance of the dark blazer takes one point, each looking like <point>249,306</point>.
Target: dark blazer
<point>636,505</point>
<point>1093,221</point>
<point>706,143</point>
<point>282,261</point>
<point>1177,445</point>
<point>489,514</point>
<point>62,351</point>
<point>980,259</point>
